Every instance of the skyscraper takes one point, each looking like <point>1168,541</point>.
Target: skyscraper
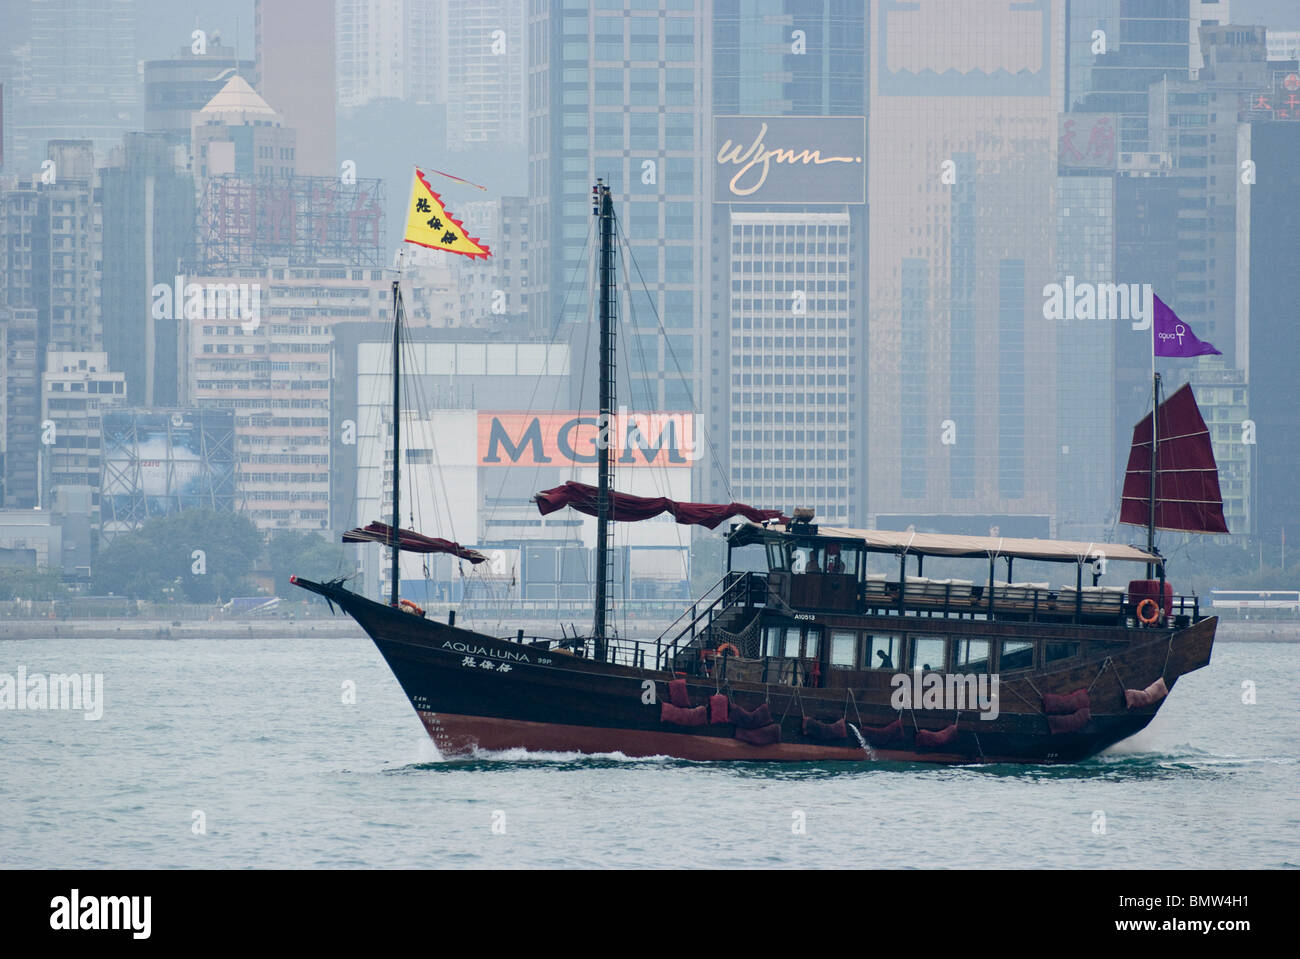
<point>389,50</point>
<point>963,143</point>
<point>78,79</point>
<point>486,46</point>
<point>295,71</point>
<point>1274,207</point>
<point>616,90</point>
<point>148,202</point>
<point>787,310</point>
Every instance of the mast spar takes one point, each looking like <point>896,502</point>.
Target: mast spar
<point>396,541</point>
<point>603,207</point>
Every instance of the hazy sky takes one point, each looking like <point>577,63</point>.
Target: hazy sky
<point>1279,14</point>
<point>166,24</point>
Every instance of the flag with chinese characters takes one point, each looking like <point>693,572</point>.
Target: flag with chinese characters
<point>1172,337</point>
<point>429,224</point>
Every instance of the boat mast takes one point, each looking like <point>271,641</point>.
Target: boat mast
<point>397,439</point>
<point>1155,467</point>
<point>603,207</point>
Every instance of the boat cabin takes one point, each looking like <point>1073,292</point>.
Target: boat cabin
<point>817,610</point>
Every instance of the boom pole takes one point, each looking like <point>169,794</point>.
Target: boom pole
<point>603,207</point>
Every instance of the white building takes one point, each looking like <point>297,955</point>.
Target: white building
<point>469,474</point>
<point>388,49</point>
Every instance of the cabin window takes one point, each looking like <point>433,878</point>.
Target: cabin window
<point>772,641</point>
<point>776,556</point>
<point>928,653</point>
<point>882,651</point>
<point>812,643</point>
<point>971,656</point>
<point>791,642</point>
<point>1016,655</point>
<point>842,559</point>
<point>807,559</point>
<point>1055,651</point>
<point>844,649</point>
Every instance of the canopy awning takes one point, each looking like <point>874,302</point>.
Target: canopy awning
<point>988,547</point>
<point>625,507</point>
<point>411,541</point>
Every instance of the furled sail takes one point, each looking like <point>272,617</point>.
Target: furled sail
<point>411,541</point>
<point>628,508</point>
<point>1187,478</point>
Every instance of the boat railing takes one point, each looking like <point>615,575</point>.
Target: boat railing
<point>1017,601</point>
<point>733,589</point>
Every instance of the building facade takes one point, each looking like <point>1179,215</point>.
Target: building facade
<point>787,309</point>
<point>963,163</point>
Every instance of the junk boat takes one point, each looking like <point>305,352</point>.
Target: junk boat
<point>815,657</point>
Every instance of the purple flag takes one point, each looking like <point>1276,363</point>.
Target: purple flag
<point>1173,337</point>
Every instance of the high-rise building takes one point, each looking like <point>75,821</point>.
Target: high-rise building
<point>1085,417</point>
<point>1274,211</point>
<point>75,388</point>
<point>616,90</point>
<point>962,363</point>
<point>177,88</point>
<point>22,388</point>
<point>485,55</point>
<point>237,132</point>
<point>50,233</point>
<point>148,211</point>
<point>787,309</point>
<point>76,79</point>
<point>1224,399</point>
<point>295,71</point>
<point>1116,49</point>
<point>389,50</point>
<point>497,287</point>
<point>272,365</point>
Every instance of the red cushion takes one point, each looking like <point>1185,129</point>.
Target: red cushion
<point>678,695</point>
<point>1071,723</point>
<point>669,713</point>
<point>718,704</point>
<point>1137,698</point>
<point>927,737</point>
<point>751,718</point>
<point>1055,705</point>
<point>881,735</point>
<point>764,736</point>
<point>820,730</point>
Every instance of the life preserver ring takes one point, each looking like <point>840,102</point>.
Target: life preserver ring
<point>1155,611</point>
<point>731,646</point>
<point>410,607</point>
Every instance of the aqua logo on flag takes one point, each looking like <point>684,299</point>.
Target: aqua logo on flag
<point>1172,337</point>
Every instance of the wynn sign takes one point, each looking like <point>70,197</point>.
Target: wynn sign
<point>789,159</point>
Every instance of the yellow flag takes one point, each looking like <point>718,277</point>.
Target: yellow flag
<point>429,224</point>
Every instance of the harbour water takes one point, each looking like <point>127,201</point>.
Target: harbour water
<point>305,753</point>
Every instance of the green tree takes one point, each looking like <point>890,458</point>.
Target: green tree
<point>204,554</point>
<point>309,555</point>
<point>34,583</point>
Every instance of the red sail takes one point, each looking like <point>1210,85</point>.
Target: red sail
<point>411,541</point>
<point>629,508</point>
<point>1187,478</point>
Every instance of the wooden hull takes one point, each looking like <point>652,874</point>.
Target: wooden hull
<point>473,691</point>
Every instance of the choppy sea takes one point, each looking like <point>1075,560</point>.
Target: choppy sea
<point>305,753</point>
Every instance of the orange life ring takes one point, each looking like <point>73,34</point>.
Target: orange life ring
<point>1155,611</point>
<point>410,607</point>
<point>730,646</point>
